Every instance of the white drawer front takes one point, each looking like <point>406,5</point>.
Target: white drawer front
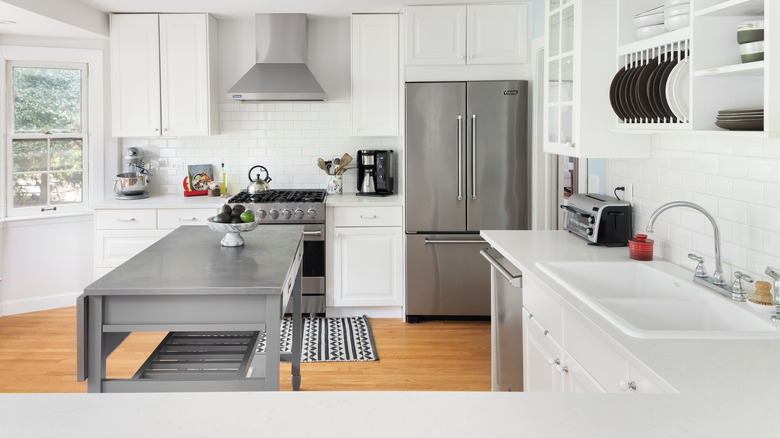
<point>174,218</point>
<point>544,309</point>
<point>114,247</point>
<point>368,216</point>
<point>126,219</point>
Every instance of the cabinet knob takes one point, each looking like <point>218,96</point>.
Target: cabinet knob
<point>562,368</point>
<point>625,385</point>
<point>555,361</point>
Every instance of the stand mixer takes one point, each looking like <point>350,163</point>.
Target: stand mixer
<point>132,184</point>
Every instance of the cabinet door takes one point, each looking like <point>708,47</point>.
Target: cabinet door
<point>114,247</point>
<point>497,34</point>
<point>184,73</point>
<point>135,75</point>
<point>560,78</point>
<point>436,35</point>
<point>367,266</point>
<point>540,356</point>
<point>375,74</point>
<point>576,378</point>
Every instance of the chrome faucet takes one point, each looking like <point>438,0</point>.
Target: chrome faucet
<point>775,274</point>
<point>716,281</point>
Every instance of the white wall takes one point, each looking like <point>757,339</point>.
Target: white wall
<point>736,179</point>
<point>285,137</point>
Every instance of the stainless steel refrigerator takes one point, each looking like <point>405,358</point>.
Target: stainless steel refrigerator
<point>467,169</point>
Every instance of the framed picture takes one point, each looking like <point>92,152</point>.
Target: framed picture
<point>200,175</point>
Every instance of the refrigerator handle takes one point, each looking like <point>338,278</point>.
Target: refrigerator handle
<point>473,156</point>
<point>460,158</point>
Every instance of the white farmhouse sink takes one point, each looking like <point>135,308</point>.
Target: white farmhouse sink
<point>657,300</point>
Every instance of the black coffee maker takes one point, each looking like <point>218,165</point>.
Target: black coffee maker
<point>375,172</point>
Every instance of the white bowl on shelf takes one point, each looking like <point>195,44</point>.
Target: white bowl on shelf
<point>649,31</point>
<point>649,20</point>
<point>677,22</point>
<point>680,9</point>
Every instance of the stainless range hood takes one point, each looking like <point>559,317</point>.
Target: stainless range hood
<point>281,72</point>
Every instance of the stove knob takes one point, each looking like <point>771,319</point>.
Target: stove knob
<point>312,213</point>
<point>298,213</point>
<point>261,213</point>
<point>274,214</point>
<point>286,213</point>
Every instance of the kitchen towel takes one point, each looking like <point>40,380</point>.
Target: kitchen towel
<point>330,339</point>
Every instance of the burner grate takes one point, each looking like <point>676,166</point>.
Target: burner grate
<point>279,196</point>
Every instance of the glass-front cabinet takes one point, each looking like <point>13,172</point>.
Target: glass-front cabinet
<point>580,60</point>
<point>560,74</point>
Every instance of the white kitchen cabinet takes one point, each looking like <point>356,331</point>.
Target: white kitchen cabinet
<point>163,70</point>
<point>120,234</point>
<point>471,34</point>
<point>579,65</point>
<point>547,366</point>
<point>563,353</point>
<point>367,256</point>
<point>375,75</point>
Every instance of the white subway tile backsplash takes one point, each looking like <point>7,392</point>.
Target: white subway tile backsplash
<point>285,137</point>
<point>736,179</point>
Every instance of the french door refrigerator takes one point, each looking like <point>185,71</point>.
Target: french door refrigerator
<point>467,169</point>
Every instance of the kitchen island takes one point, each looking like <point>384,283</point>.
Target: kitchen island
<point>190,285</point>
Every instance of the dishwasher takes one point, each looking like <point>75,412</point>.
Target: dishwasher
<point>506,301</point>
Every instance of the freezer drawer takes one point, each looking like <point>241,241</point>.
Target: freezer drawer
<point>446,276</point>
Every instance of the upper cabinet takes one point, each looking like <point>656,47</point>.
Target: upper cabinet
<point>163,75</point>
<point>375,75</point>
<point>708,78</point>
<point>579,64</point>
<point>467,35</point>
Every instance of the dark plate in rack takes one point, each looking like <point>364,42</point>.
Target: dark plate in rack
<point>613,93</point>
<point>640,92</point>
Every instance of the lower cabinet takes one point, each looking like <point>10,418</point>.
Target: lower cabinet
<point>367,256</point>
<point>563,354</point>
<point>367,266</point>
<point>122,233</point>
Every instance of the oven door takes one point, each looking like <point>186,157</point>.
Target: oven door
<point>313,281</point>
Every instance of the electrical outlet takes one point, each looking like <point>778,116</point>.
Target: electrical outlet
<point>629,194</point>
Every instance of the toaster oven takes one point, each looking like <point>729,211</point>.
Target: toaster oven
<point>599,219</point>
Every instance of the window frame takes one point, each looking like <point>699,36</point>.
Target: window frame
<point>83,135</point>
<point>100,157</point>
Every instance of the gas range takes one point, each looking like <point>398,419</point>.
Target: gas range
<point>284,206</point>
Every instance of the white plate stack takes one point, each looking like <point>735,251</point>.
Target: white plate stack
<point>677,14</point>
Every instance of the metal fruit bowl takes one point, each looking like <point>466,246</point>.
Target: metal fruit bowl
<point>232,231</point>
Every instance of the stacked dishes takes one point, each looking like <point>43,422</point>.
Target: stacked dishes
<point>747,119</point>
<point>677,14</point>
<point>654,90</point>
<point>750,36</point>
<point>650,23</point>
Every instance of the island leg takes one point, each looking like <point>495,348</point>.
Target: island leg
<point>297,333</point>
<point>96,356</point>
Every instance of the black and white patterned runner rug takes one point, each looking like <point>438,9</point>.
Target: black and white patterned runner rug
<point>330,339</point>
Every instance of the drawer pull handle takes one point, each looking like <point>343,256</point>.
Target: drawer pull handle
<point>119,219</point>
<point>625,385</point>
<point>365,216</point>
<point>188,219</point>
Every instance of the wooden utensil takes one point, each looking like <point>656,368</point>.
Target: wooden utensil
<point>346,159</point>
<point>321,164</point>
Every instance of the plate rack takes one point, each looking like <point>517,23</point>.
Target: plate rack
<point>652,88</point>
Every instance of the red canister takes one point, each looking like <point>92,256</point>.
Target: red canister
<point>640,247</point>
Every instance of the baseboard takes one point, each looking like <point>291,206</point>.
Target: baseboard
<point>39,303</point>
<point>371,312</point>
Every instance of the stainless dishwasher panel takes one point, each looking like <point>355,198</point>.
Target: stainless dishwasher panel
<point>507,322</point>
<point>445,276</point>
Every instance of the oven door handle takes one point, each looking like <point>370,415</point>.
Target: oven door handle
<point>313,233</point>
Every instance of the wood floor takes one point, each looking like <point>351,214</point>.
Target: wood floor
<point>38,354</point>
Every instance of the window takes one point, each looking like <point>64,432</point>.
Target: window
<point>47,141</point>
